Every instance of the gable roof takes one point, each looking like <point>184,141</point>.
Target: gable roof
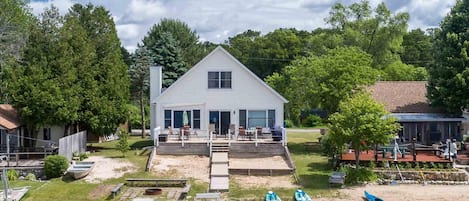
<point>9,117</point>
<point>221,49</point>
<point>403,96</point>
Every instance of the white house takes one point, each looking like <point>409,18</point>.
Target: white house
<point>218,90</point>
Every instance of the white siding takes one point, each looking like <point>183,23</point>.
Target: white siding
<point>193,92</point>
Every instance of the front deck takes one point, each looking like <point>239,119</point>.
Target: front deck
<point>368,156</point>
<point>175,138</point>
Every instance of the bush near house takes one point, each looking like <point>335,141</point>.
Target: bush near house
<point>55,166</point>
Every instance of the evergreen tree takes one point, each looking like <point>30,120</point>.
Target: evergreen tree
<point>166,53</point>
<point>35,87</point>
<point>187,40</point>
<point>448,85</point>
<point>140,79</point>
<point>106,80</point>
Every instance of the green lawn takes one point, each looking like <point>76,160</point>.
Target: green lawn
<point>311,169</point>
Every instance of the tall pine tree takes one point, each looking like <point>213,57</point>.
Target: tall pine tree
<point>106,82</point>
<point>140,79</point>
<point>167,53</point>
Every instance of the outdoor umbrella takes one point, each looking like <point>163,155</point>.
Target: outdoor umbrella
<point>185,119</point>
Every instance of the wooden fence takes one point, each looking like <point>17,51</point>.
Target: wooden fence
<point>71,144</point>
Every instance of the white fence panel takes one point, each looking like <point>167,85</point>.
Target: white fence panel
<point>71,144</point>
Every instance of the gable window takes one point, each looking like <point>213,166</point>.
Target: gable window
<point>219,80</point>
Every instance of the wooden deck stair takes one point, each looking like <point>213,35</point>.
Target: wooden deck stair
<point>219,176</point>
<point>220,147</point>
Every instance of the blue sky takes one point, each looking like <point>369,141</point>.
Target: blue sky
<point>216,20</point>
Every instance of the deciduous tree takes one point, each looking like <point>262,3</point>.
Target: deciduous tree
<point>377,32</point>
<point>361,122</point>
<point>15,20</point>
<point>312,82</point>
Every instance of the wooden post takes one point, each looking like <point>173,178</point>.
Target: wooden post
<point>414,153</point>
<point>376,153</point>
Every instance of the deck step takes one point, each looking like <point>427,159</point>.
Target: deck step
<point>219,170</point>
<point>220,157</point>
<point>218,184</point>
<point>220,147</point>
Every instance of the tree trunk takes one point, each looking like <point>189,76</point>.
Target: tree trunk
<point>357,157</point>
<point>142,112</point>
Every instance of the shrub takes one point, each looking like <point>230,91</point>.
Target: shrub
<point>12,175</point>
<point>83,156</point>
<point>123,143</point>
<point>358,175</point>
<point>289,123</point>
<point>55,166</point>
<point>30,177</point>
<point>372,165</point>
<point>408,165</point>
<point>312,121</point>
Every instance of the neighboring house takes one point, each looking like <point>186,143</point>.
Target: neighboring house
<point>407,101</point>
<point>218,90</point>
<point>10,124</point>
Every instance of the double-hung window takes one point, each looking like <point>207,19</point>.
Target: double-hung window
<point>219,80</point>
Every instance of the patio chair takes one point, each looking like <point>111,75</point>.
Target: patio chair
<point>242,132</point>
<point>211,129</point>
<point>259,131</point>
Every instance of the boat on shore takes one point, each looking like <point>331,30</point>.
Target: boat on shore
<point>300,195</point>
<point>371,197</point>
<point>272,196</point>
<point>80,169</point>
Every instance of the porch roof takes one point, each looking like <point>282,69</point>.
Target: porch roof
<point>427,117</point>
<point>9,117</point>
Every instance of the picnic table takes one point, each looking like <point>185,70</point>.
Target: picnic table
<point>385,149</point>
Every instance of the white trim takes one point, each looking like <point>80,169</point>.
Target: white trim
<point>178,105</point>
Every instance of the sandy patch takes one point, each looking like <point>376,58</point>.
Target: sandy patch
<point>107,168</point>
<point>406,192</point>
<point>273,162</point>
<point>271,181</point>
<point>193,166</point>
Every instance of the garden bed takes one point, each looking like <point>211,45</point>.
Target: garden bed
<point>429,176</point>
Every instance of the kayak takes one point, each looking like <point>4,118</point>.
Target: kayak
<point>272,196</point>
<point>300,195</point>
<point>371,197</point>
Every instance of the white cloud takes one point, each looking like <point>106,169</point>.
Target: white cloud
<point>39,6</point>
<point>217,20</point>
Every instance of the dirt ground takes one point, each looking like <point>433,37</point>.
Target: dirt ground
<point>407,192</point>
<point>274,162</point>
<point>106,168</point>
<point>249,182</point>
<point>193,166</point>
